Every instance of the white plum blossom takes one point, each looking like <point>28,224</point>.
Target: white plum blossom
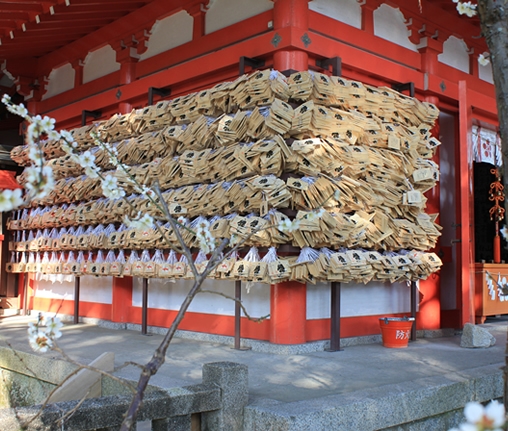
<point>504,232</point>
<point>205,239</point>
<point>480,418</point>
<point>315,214</point>
<point>91,171</point>
<point>10,199</point>
<point>466,8</point>
<point>110,187</point>
<point>38,127</point>
<point>35,155</point>
<point>141,222</point>
<point>484,59</point>
<point>40,181</point>
<point>287,225</point>
<point>53,325</point>
<point>42,339</point>
<point>86,160</point>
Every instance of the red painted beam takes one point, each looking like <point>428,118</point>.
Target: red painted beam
<point>22,7</point>
<point>51,24</point>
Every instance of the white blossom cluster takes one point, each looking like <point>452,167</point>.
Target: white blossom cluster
<point>39,177</point>
<point>479,418</point>
<point>466,8</point>
<point>42,334</point>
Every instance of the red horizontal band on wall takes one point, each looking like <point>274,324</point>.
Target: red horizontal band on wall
<point>86,309</point>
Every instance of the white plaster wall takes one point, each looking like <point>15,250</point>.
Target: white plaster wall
<point>92,289</point>
<point>166,295</point>
<point>359,299</point>
<point>59,80</point>
<point>168,33</point>
<point>346,11</point>
<point>389,24</point>
<point>223,13</point>
<point>100,62</point>
<point>485,73</point>
<point>455,54</point>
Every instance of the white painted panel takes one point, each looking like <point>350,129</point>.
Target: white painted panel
<point>168,33</point>
<point>455,54</point>
<point>92,289</point>
<point>166,295</point>
<point>223,13</point>
<point>54,290</point>
<point>485,73</point>
<point>389,24</point>
<point>59,80</point>
<point>346,11</point>
<point>100,62</point>
<point>359,299</point>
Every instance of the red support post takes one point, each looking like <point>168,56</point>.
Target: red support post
<point>430,304</point>
<point>465,232</point>
<point>295,14</point>
<point>288,313</point>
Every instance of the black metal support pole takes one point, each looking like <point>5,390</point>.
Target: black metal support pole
<point>144,315</point>
<point>25,294</point>
<point>85,114</point>
<point>238,297</point>
<point>407,86</point>
<point>335,62</point>
<point>254,63</point>
<point>162,92</point>
<point>334,317</point>
<point>414,295</point>
<point>77,281</point>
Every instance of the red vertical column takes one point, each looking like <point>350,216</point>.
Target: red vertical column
<point>288,301</point>
<point>430,305</point>
<point>368,8</point>
<point>198,13</point>
<point>465,288</point>
<point>288,313</point>
<point>291,13</point>
<point>128,57</point>
<point>122,299</point>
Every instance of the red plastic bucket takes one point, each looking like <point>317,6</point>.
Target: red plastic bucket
<point>396,331</point>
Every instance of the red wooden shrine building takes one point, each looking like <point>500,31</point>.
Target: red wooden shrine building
<point>74,59</point>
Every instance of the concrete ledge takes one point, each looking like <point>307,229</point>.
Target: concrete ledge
<point>46,369</point>
<point>439,400</point>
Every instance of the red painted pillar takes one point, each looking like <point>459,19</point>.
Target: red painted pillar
<point>291,13</point>
<point>368,8</point>
<point>430,296</point>
<point>288,313</point>
<point>198,13</point>
<point>78,72</point>
<point>429,54</point>
<point>122,299</point>
<point>127,55</point>
<point>288,300</point>
<point>465,246</point>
